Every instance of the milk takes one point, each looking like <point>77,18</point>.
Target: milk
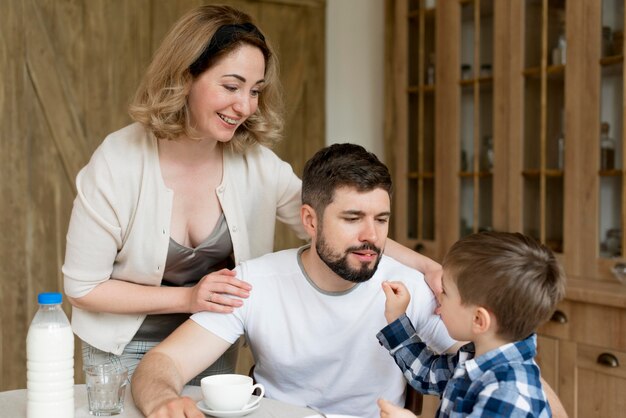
<point>48,344</point>
<point>50,362</point>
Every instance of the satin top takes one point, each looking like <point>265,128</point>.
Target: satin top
<point>185,267</point>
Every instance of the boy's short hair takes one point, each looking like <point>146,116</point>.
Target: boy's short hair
<point>341,165</point>
<point>511,275</point>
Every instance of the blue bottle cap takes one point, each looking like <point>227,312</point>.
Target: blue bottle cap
<point>49,298</point>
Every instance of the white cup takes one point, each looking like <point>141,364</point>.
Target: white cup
<point>229,392</point>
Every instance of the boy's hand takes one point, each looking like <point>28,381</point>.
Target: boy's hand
<point>389,410</point>
<point>398,298</point>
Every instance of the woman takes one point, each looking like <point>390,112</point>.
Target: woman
<point>168,204</point>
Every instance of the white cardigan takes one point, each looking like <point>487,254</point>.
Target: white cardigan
<point>121,218</point>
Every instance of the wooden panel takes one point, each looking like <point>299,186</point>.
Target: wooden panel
<point>599,325</point>
<point>117,50</point>
<point>548,360</point>
<point>501,139</point>
<point>600,388</point>
<point>300,44</point>
<point>608,396</point>
<point>430,406</point>
<point>447,121</point>
<point>516,106</point>
<point>390,109</point>
<point>13,180</point>
<point>568,383</point>
<point>50,83</point>
<point>585,131</point>
<point>396,126</point>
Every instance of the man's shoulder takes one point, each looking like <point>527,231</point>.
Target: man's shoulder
<point>391,270</point>
<point>273,264</point>
<point>389,264</point>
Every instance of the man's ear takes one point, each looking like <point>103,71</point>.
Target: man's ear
<point>309,220</point>
<point>483,320</point>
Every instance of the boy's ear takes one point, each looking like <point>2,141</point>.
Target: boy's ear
<point>483,320</point>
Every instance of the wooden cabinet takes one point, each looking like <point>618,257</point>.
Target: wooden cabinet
<point>527,106</point>
<point>508,116</point>
<point>582,350</point>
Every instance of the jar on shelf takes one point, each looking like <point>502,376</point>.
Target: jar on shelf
<point>559,53</point>
<point>486,156</point>
<point>430,70</point>
<point>607,148</point>
<point>607,41</point>
<point>617,45</point>
<point>485,70</point>
<point>464,163</point>
<point>560,144</point>
<point>466,72</point>
<point>613,242</point>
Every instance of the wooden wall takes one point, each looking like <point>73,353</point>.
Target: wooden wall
<point>67,71</point>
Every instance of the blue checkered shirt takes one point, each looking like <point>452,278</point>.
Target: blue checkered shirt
<point>501,383</point>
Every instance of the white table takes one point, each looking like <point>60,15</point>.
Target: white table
<point>13,405</point>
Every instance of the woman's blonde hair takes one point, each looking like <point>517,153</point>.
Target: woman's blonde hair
<point>160,103</point>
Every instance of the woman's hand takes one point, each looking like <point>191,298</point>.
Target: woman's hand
<point>433,279</point>
<point>389,410</point>
<point>398,298</point>
<point>213,290</point>
<point>430,268</point>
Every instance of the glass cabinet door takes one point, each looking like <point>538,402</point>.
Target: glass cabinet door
<point>544,138</point>
<point>420,93</point>
<point>476,116</point>
<point>609,137</point>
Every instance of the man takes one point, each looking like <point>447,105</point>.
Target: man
<point>313,313</point>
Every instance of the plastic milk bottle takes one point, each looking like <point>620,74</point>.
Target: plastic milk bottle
<point>50,361</point>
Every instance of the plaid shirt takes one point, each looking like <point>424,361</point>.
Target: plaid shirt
<point>501,383</point>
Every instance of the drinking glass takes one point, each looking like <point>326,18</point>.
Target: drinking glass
<point>106,386</point>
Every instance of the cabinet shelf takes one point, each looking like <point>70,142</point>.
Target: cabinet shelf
<point>418,176</point>
<point>486,81</point>
<point>480,174</point>
<point>536,173</point>
<point>610,173</point>
<point>425,88</point>
<point>551,70</point>
<point>428,13</point>
<point>612,60</point>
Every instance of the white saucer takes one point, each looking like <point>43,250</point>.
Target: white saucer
<point>225,414</point>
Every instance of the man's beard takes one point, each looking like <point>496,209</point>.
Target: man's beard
<point>339,264</point>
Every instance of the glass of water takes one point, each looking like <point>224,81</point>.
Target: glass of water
<point>106,386</point>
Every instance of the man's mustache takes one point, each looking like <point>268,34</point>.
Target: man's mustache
<point>366,247</point>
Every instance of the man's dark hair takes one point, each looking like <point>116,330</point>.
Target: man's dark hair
<point>341,165</point>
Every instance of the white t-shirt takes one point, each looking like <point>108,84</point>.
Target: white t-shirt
<point>317,348</point>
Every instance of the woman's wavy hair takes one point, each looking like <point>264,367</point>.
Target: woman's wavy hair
<point>160,103</point>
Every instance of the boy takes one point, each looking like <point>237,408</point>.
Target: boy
<point>497,289</point>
